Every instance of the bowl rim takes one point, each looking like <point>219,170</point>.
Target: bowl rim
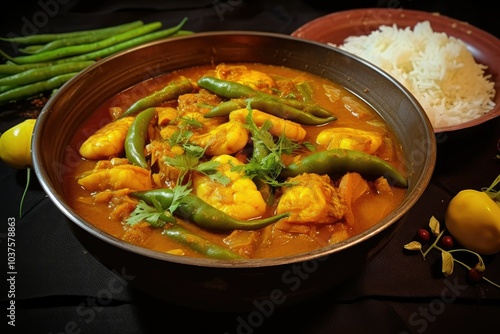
<point>325,251</point>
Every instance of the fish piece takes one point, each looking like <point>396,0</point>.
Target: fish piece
<point>239,199</point>
<point>107,141</point>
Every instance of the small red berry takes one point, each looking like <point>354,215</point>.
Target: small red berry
<point>447,242</point>
<point>423,235</point>
<point>475,275</point>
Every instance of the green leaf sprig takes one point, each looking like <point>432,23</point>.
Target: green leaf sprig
<point>179,137</point>
<point>189,123</point>
<point>447,258</point>
<point>191,159</point>
<point>155,215</point>
<point>268,167</point>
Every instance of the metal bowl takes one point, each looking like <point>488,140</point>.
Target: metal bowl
<point>216,284</point>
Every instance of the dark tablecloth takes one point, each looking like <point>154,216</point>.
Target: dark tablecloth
<point>60,288</point>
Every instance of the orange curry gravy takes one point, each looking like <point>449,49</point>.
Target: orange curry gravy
<point>362,201</point>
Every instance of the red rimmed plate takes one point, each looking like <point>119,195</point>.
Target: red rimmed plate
<point>336,27</point>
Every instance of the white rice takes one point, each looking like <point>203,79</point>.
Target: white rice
<point>436,68</point>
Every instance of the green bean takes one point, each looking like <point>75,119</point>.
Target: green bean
<point>20,92</point>
<point>194,209</point>
<point>5,88</point>
<point>125,45</point>
<point>30,90</point>
<point>182,33</point>
<point>43,73</point>
<point>30,49</point>
<point>136,138</point>
<point>45,38</point>
<point>72,50</point>
<point>171,91</point>
<point>200,244</point>
<point>15,68</point>
<point>79,40</point>
<point>343,160</point>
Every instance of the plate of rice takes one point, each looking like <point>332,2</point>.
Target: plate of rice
<point>451,67</point>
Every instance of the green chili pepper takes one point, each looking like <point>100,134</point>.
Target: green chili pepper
<point>269,106</point>
<point>136,138</point>
<point>235,90</point>
<point>199,244</point>
<point>274,107</point>
<point>342,161</point>
<point>260,152</point>
<point>225,108</point>
<point>199,212</point>
<point>227,89</point>
<point>305,90</point>
<point>170,92</point>
<point>309,108</point>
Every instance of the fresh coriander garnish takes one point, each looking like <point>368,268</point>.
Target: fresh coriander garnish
<point>209,168</point>
<point>179,138</point>
<point>190,161</point>
<point>156,215</point>
<point>189,123</point>
<point>266,167</point>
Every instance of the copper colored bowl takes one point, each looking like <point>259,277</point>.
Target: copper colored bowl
<point>216,284</point>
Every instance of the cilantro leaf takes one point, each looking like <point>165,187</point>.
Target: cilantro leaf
<point>179,137</point>
<point>191,161</point>
<point>190,122</point>
<point>267,164</point>
<point>156,215</point>
<point>209,168</point>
